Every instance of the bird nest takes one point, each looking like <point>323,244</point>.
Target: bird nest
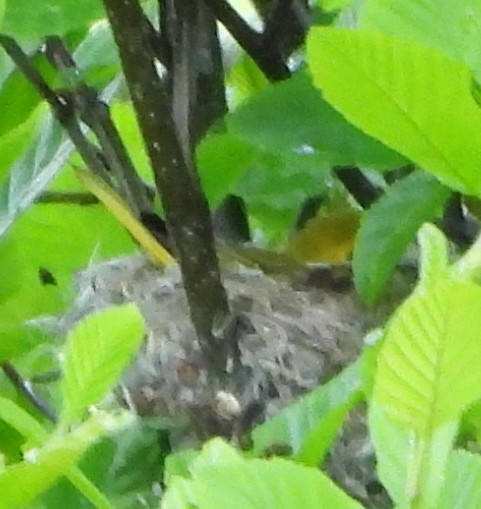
<point>289,340</point>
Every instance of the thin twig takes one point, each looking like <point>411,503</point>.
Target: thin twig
<point>363,191</point>
<point>61,109</point>
<point>67,197</point>
<point>95,114</point>
<point>24,387</point>
<point>269,59</point>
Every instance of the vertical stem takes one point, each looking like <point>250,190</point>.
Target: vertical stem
<point>185,205</point>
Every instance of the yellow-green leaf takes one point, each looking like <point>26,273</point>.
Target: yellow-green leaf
<point>412,98</point>
<point>428,365</point>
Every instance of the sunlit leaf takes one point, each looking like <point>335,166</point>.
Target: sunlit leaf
<point>97,350</point>
<point>246,79</point>
<point>254,483</point>
<point>462,485</point>
<point>22,421</point>
<point>398,467</point>
<point>432,339</point>
<point>395,101</point>
<point>331,5</point>
<point>393,446</point>
<point>453,27</point>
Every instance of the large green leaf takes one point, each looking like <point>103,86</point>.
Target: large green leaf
<point>462,483</point>
<point>392,446</point>
<point>50,16</point>
<point>396,449</point>
<point>39,281</point>
<point>412,98</point>
<point>252,484</point>
<point>97,350</point>
<point>309,426</point>
<point>427,365</point>
<point>308,124</point>
<point>452,26</point>
<point>389,226</point>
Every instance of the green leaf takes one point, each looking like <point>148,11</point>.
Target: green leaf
<point>213,452</point>
<point>64,242</point>
<point>431,340</point>
<point>393,447</point>
<point>22,421</point>
<point>462,482</point>
<point>33,171</point>
<point>122,468</point>
<point>309,425</point>
<point>96,352</point>
<point>395,101</point>
<point>401,469</point>
<point>275,187</point>
<point>178,464</point>
<point>51,17</point>
<point>453,26</point>
<point>389,226</point>
<point>309,124</point>
<point>225,155</point>
<point>246,79</point>
<point>18,97</point>
<point>97,49</point>
<point>36,434</point>
<point>53,460</point>
<point>434,257</point>
<point>333,5</point>
<point>254,483</point>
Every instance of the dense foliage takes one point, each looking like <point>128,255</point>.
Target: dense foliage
<point>387,91</point>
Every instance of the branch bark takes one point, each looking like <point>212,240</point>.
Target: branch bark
<point>268,58</point>
<point>186,208</point>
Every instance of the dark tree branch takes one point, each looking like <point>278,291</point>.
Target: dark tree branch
<point>185,205</point>
<point>95,114</point>
<point>74,198</point>
<point>286,25</point>
<point>24,387</point>
<point>268,59</point>
<point>61,109</point>
<point>363,191</point>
